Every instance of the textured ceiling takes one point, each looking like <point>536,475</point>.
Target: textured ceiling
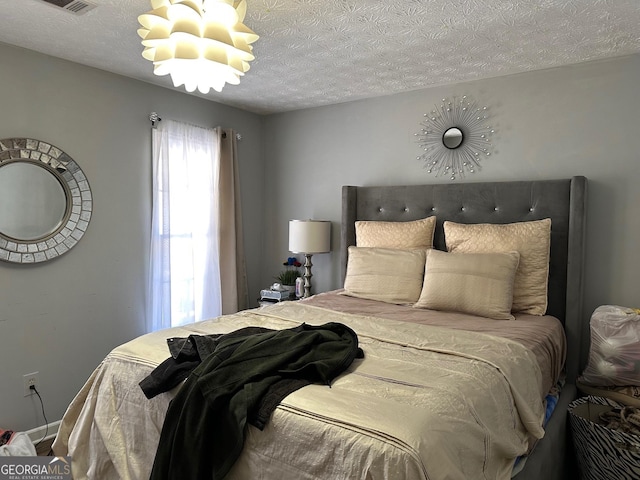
<point>320,52</point>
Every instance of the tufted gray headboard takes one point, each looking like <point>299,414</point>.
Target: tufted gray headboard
<point>564,201</point>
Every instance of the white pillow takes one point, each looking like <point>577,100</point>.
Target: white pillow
<point>475,283</point>
<point>385,274</point>
<point>405,235</point>
<point>532,240</point>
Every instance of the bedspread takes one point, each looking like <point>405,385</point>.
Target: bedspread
<point>543,335</point>
<point>425,403</point>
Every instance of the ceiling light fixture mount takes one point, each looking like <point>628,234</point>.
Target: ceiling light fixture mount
<point>201,44</point>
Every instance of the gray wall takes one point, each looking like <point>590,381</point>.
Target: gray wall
<point>62,317</point>
<point>578,120</point>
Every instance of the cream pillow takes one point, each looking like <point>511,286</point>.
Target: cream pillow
<point>476,283</point>
<point>532,240</point>
<point>407,235</point>
<point>384,274</point>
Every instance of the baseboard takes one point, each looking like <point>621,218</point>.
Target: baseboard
<point>51,430</point>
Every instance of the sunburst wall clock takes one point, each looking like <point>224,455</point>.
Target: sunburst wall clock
<point>455,137</point>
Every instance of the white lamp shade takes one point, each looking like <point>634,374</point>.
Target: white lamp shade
<point>309,236</point>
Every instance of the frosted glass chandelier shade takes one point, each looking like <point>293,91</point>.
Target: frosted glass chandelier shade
<point>201,44</point>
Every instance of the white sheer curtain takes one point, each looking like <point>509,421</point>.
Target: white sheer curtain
<point>184,281</point>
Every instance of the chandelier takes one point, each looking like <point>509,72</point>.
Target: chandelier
<point>202,44</point>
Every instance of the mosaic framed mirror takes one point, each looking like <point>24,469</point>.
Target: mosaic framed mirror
<point>45,201</point>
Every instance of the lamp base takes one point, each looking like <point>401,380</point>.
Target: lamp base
<point>307,275</point>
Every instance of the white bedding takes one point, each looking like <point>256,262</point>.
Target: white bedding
<point>425,403</point>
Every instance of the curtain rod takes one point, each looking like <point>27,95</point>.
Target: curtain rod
<point>155,118</point>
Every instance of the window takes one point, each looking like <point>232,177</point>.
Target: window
<point>184,282</point>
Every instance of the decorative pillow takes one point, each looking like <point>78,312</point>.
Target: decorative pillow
<point>476,283</point>
<point>532,240</point>
<point>385,274</point>
<point>407,235</point>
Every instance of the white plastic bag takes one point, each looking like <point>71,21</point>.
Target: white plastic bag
<point>20,445</point>
<point>614,356</point>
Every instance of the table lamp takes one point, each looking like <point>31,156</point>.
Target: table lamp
<point>308,237</point>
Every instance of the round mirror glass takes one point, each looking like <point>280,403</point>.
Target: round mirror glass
<point>33,203</point>
<point>452,138</point>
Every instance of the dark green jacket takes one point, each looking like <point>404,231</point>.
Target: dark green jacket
<point>204,430</point>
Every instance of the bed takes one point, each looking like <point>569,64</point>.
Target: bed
<point>438,394</point>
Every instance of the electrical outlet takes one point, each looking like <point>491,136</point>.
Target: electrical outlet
<point>28,380</point>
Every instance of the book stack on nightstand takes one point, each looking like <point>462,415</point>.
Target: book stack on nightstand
<point>271,296</point>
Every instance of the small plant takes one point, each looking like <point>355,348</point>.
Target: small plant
<point>290,273</point>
